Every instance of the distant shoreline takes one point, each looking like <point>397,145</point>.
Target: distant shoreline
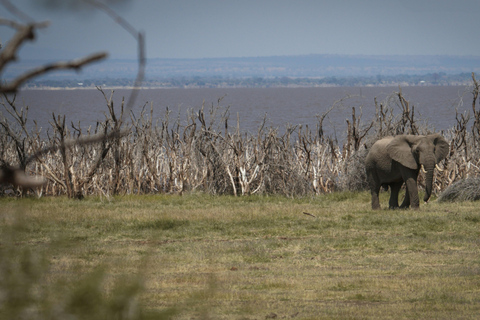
<point>467,83</point>
<point>200,82</point>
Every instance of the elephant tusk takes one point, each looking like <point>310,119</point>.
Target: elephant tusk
<point>423,169</point>
<point>438,168</point>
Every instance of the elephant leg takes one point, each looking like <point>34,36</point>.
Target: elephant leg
<point>406,200</point>
<point>374,185</point>
<point>395,189</point>
<point>412,192</point>
<point>375,200</point>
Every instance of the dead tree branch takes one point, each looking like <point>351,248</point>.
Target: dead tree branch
<point>77,64</point>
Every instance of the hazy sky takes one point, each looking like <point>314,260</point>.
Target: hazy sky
<point>245,28</point>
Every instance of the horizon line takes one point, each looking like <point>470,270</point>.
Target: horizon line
<point>279,56</point>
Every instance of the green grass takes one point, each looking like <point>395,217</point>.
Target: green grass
<point>221,257</point>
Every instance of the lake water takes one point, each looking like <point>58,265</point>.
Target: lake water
<point>296,106</point>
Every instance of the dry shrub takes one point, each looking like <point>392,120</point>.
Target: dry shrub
<point>281,174</point>
<point>354,177</point>
<point>462,190</point>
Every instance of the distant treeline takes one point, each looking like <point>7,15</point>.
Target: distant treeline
<point>432,79</point>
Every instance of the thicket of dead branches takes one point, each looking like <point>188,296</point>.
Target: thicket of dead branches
<point>203,152</point>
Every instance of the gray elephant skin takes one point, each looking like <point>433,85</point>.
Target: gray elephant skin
<point>393,161</point>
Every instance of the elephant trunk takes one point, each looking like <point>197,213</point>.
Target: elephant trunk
<point>428,180</point>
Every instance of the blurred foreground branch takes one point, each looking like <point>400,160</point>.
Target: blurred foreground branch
<point>25,31</point>
<point>77,64</point>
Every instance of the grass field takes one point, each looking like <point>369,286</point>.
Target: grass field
<point>221,257</point>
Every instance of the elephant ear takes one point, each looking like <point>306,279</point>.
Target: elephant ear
<point>400,150</point>
<point>441,146</point>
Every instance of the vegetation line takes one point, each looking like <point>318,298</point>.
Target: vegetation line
<point>205,153</point>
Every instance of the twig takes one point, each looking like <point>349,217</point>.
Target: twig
<point>16,12</point>
<point>79,141</point>
<point>77,64</point>
<point>138,36</point>
<point>309,214</point>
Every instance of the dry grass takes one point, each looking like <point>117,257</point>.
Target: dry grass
<point>254,257</point>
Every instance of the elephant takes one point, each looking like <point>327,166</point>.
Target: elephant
<point>392,161</point>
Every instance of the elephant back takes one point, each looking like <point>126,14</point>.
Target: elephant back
<point>378,155</point>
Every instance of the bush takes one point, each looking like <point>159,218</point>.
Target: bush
<point>354,177</point>
<point>463,190</point>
